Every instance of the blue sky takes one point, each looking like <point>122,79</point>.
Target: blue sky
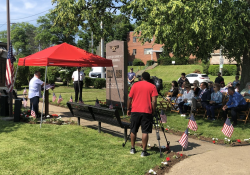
<point>22,9</point>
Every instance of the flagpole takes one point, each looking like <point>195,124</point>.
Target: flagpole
<point>15,76</point>
<point>8,47</point>
<point>44,89</point>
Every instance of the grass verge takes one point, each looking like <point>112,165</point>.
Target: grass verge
<point>66,149</point>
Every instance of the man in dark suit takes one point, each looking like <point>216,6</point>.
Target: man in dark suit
<point>203,98</point>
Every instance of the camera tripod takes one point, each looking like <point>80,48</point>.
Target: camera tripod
<point>158,125</point>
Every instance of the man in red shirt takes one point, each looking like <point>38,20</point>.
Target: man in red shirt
<point>144,97</point>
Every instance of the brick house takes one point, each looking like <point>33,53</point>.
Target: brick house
<point>147,51</point>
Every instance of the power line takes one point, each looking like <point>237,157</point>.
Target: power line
<point>30,16</point>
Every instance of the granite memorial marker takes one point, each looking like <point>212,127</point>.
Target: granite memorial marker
<point>117,52</point>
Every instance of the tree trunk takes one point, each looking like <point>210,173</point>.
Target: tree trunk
<point>245,72</point>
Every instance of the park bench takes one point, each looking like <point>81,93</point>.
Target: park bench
<point>99,114</point>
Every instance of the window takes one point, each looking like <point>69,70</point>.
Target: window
<point>134,39</point>
<point>134,51</point>
<point>147,51</point>
<point>189,75</point>
<point>204,75</point>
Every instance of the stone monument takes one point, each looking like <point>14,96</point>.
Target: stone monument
<point>3,57</point>
<point>117,52</point>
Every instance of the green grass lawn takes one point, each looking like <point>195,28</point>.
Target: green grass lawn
<point>170,73</point>
<point>136,68</point>
<point>207,128</point>
<point>67,149</point>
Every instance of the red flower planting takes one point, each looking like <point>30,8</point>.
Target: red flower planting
<point>213,141</point>
<point>28,110</point>
<point>168,159</point>
<point>167,129</point>
<point>181,155</point>
<point>238,140</point>
<point>116,105</point>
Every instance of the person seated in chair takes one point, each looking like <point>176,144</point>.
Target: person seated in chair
<point>246,92</point>
<point>202,99</point>
<point>236,103</point>
<point>186,100</point>
<point>211,86</point>
<point>174,90</point>
<point>196,88</point>
<point>215,103</point>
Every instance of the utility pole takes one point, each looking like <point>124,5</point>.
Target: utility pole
<point>221,62</point>
<point>102,49</point>
<point>92,42</point>
<point>8,45</point>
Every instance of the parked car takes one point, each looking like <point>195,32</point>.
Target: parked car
<point>96,72</point>
<point>200,77</point>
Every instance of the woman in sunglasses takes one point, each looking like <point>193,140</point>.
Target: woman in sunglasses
<point>215,102</point>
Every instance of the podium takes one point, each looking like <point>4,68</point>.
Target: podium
<point>46,102</point>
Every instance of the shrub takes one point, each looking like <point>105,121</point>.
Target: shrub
<point>164,60</point>
<point>21,79</point>
<point>53,73</point>
<point>180,60</point>
<point>89,81</point>
<point>205,66</point>
<point>228,70</point>
<point>138,62</point>
<point>150,62</point>
<point>99,83</point>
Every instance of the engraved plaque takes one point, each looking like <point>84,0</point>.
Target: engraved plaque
<point>109,74</point>
<point>118,73</point>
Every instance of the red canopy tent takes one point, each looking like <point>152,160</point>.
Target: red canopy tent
<point>65,55</point>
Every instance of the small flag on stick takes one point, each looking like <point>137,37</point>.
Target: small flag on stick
<point>24,103</point>
<point>111,106</point>
<point>71,99</point>
<point>184,139</point>
<point>53,97</point>
<point>59,99</point>
<point>163,117</point>
<point>228,128</point>
<point>192,123</point>
<point>97,103</point>
<point>24,91</point>
<point>32,113</point>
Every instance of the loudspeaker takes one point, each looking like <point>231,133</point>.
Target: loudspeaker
<point>4,105</point>
<point>17,110</point>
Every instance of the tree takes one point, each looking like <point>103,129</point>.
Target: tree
<point>3,36</point>
<point>22,38</point>
<point>48,34</point>
<point>197,27</point>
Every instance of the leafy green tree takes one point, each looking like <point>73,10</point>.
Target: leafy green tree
<point>3,36</point>
<point>48,34</point>
<point>22,38</point>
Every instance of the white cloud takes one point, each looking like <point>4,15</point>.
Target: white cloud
<point>29,5</point>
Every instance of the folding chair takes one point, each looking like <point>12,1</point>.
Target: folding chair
<point>224,102</point>
<point>166,104</point>
<point>174,105</point>
<point>245,113</point>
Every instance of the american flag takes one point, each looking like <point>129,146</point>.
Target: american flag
<point>192,123</point>
<point>24,103</point>
<point>111,106</point>
<point>24,91</point>
<point>97,103</point>
<point>228,128</point>
<point>54,97</point>
<point>163,117</point>
<point>71,99</point>
<point>184,139</point>
<point>10,69</point>
<point>59,99</point>
<point>32,113</point>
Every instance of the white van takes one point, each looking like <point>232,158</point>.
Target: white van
<point>97,72</point>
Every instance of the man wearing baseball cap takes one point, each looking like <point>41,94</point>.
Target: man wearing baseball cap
<point>78,77</point>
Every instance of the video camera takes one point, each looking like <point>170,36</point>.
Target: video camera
<point>155,81</point>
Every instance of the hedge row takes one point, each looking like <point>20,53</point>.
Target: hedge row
<point>168,60</point>
<point>98,83</point>
<point>25,73</point>
<point>228,70</point>
<point>138,62</point>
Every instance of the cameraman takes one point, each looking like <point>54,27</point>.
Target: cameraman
<point>144,97</point>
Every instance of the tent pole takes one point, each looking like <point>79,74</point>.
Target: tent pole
<point>15,77</point>
<point>118,92</point>
<point>79,84</point>
<point>43,97</point>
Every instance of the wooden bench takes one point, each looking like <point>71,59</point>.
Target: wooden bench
<point>99,114</point>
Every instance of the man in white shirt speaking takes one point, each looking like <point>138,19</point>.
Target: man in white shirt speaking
<point>78,75</point>
<point>35,91</point>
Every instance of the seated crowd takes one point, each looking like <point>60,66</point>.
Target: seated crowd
<point>210,96</point>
